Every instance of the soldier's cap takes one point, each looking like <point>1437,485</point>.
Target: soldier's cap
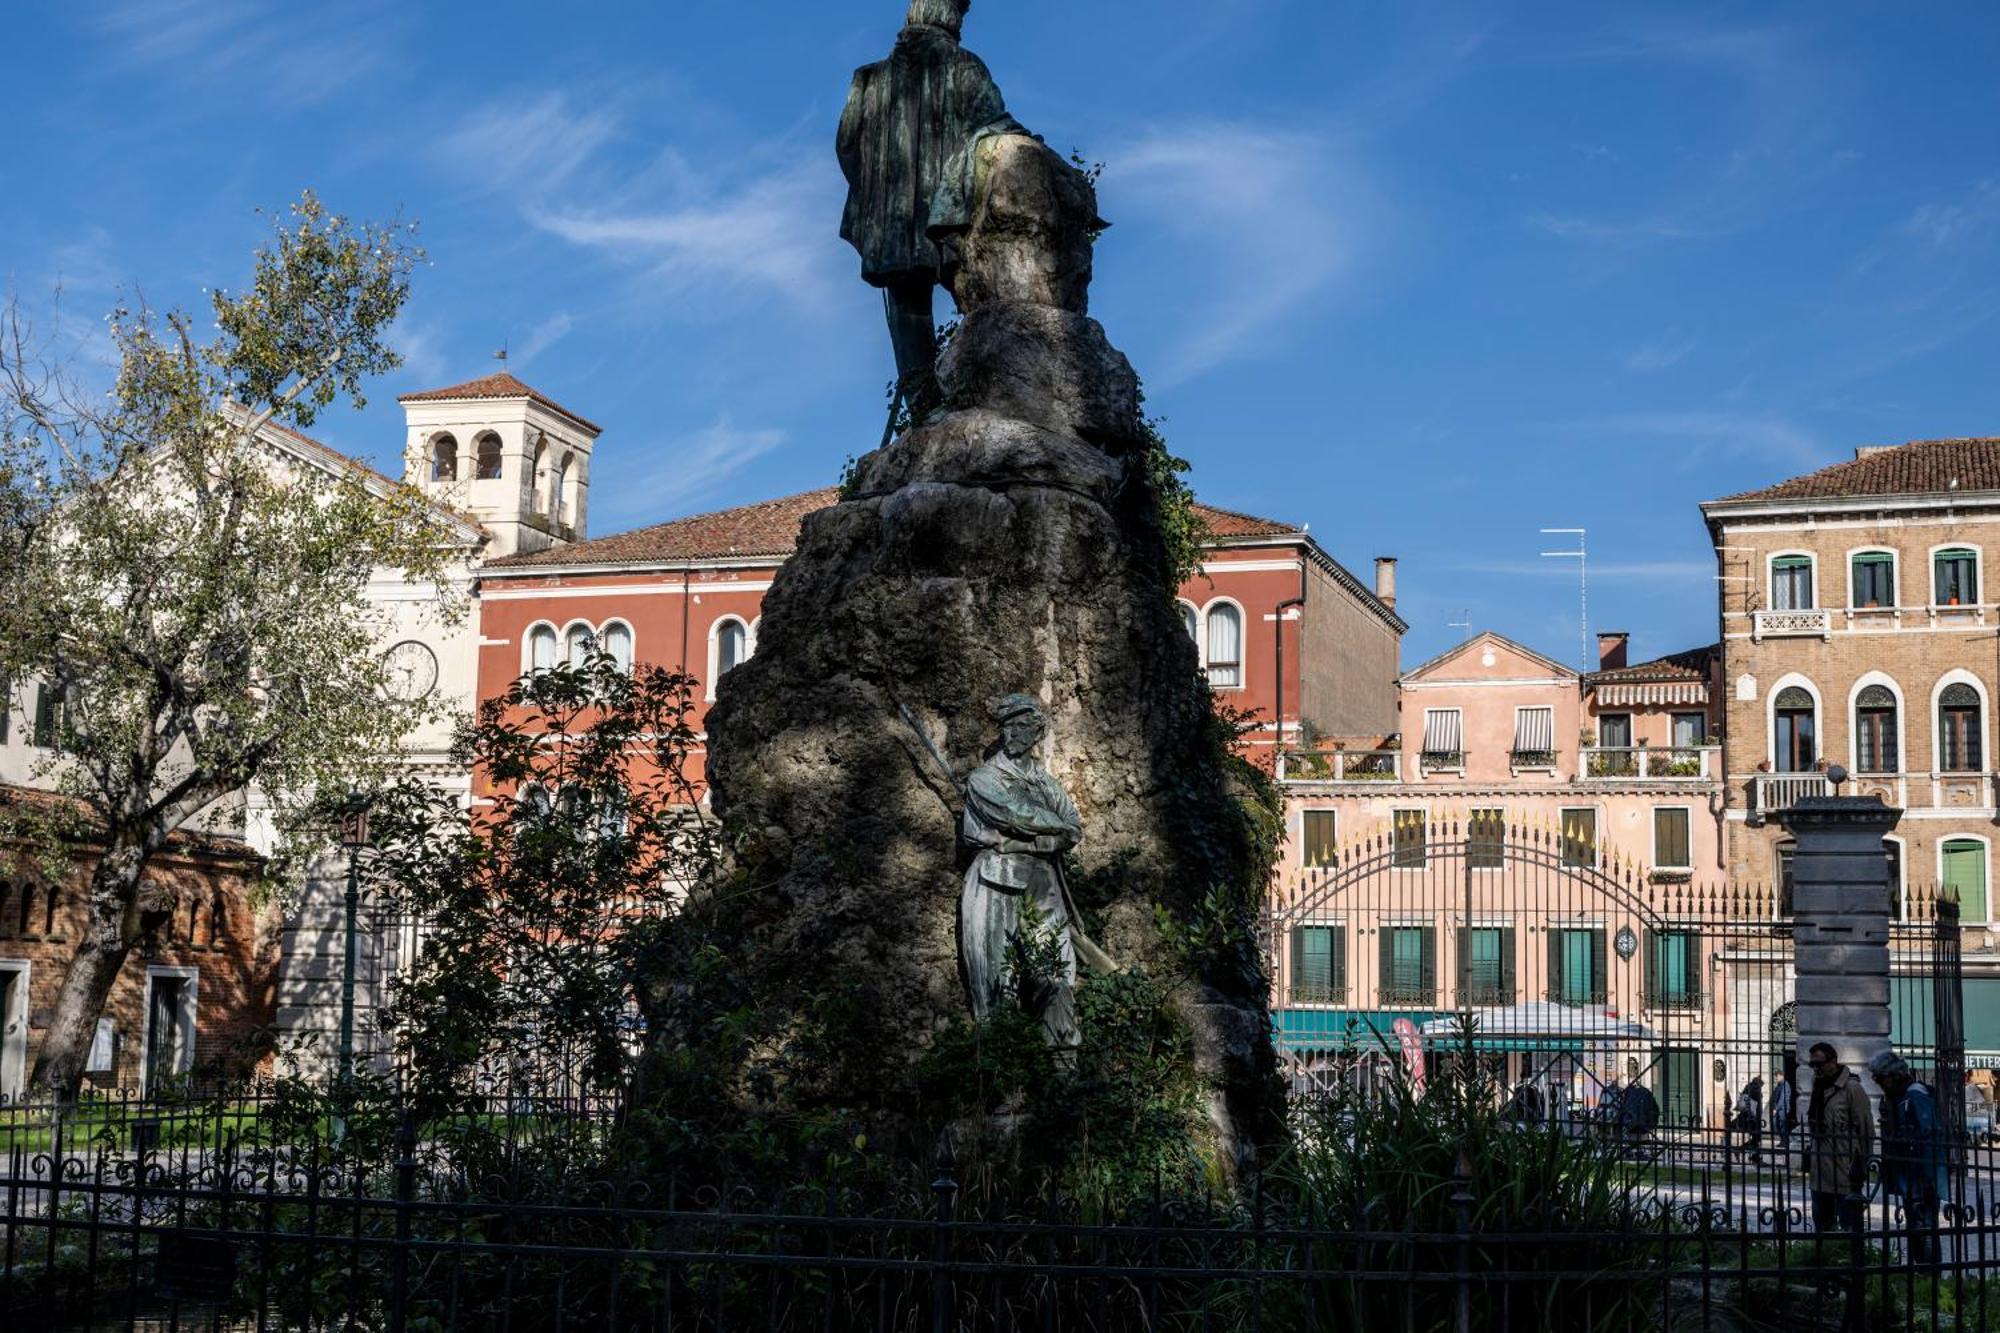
<point>1014,705</point>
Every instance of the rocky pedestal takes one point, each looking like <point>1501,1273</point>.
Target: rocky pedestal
<point>1011,542</point>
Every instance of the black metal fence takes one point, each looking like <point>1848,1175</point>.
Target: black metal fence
<point>224,1214</point>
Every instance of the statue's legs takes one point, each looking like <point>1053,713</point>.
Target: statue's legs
<point>908,299</point>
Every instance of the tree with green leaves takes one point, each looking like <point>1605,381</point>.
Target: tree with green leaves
<point>194,596</point>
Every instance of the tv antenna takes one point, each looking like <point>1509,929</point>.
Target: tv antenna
<point>1464,622</point>
<point>1582,558</point>
<point>500,354</point>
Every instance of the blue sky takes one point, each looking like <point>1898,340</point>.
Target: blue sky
<point>1426,277</point>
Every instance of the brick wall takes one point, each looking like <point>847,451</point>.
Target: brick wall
<point>205,929</point>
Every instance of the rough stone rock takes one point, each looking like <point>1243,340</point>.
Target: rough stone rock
<point>1033,225</point>
<point>1005,545</point>
<point>1048,366</point>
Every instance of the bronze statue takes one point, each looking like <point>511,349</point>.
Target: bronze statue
<point>907,119</point>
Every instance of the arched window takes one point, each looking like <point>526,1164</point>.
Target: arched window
<point>1959,729</point>
<point>732,646</point>
<point>541,648</point>
<point>1225,647</point>
<point>616,639</point>
<point>1190,621</point>
<point>1957,571</point>
<point>487,449</point>
<point>1794,735</point>
<point>1875,730</point>
<point>444,457</point>
<point>579,643</point>
<point>538,476</point>
<point>560,489</point>
<point>1783,856</point>
<point>533,802</point>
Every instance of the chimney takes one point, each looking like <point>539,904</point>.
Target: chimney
<point>1870,450</point>
<point>1385,580</point>
<point>1611,649</point>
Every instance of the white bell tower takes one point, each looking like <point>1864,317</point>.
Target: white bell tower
<point>503,454</point>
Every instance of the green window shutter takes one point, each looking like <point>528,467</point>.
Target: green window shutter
<point>1965,877</point>
<point>1298,960</point>
<point>1654,946</point>
<point>1556,966</point>
<point>1465,968</point>
<point>1386,979</point>
<point>1428,983</point>
<point>1336,961</point>
<point>1507,964</point>
<point>1600,989</point>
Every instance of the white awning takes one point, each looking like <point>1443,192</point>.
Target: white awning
<point>1656,692</point>
<point>1534,730</point>
<point>1442,733</point>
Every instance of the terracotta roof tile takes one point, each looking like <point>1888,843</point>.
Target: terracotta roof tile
<point>767,528</point>
<point>1228,523</point>
<point>1923,467</point>
<point>187,841</point>
<point>497,385</point>
<point>1693,664</point>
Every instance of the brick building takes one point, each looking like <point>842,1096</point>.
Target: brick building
<point>1280,625</point>
<point>196,998</point>
<point>1859,628</point>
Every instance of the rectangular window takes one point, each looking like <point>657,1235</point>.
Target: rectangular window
<point>1319,964</point>
<point>1791,583</point>
<point>1690,730</point>
<point>1614,741</point>
<point>1579,837</point>
<point>1576,965</point>
<point>1486,839</point>
<point>1486,963</point>
<point>1875,579</point>
<point>1965,878</point>
<point>1409,966</point>
<point>1958,739</point>
<point>47,715</point>
<point>1535,737</point>
<point>1407,828</point>
<point>1875,736</point>
<point>1444,738</point>
<point>1316,836</point>
<point>1672,838</point>
<point>1957,578</point>
<point>1673,969</point>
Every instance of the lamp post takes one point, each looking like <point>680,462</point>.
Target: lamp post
<point>353,837</point>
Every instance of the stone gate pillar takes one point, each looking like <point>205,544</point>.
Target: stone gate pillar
<point>1840,937</point>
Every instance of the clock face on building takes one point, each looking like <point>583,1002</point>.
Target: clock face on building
<point>412,669</point>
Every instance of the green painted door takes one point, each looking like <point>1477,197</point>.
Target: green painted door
<point>1675,1071</point>
<point>1965,875</point>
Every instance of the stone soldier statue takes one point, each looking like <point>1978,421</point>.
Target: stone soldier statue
<point>906,118</point>
<point>1018,822</point>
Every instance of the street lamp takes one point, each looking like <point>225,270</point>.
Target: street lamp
<point>353,838</point>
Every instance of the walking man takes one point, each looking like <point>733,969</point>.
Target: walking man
<point>1913,1163</point>
<point>1784,1116</point>
<point>1840,1134</point>
<point>1749,1117</point>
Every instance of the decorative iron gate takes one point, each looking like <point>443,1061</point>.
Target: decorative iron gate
<point>1575,975</point>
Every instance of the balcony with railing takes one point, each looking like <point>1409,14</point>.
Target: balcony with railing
<point>1772,792</point>
<point>1816,621</point>
<point>1650,763</point>
<point>1340,765</point>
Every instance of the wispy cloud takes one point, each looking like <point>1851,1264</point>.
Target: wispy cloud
<point>541,337</point>
<point>1942,226</point>
<point>1267,219</point>
<point>1703,433</point>
<point>693,229</point>
<point>692,470</point>
<point>1651,358</point>
<point>291,52</point>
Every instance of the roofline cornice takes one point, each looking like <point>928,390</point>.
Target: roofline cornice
<point>1717,510</point>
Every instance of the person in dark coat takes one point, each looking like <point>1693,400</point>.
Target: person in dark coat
<point>1748,1117</point>
<point>906,119</point>
<point>1913,1159</point>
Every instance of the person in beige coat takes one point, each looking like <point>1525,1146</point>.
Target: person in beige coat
<point>1840,1136</point>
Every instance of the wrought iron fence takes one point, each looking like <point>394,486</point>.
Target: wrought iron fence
<point>249,1229</point>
